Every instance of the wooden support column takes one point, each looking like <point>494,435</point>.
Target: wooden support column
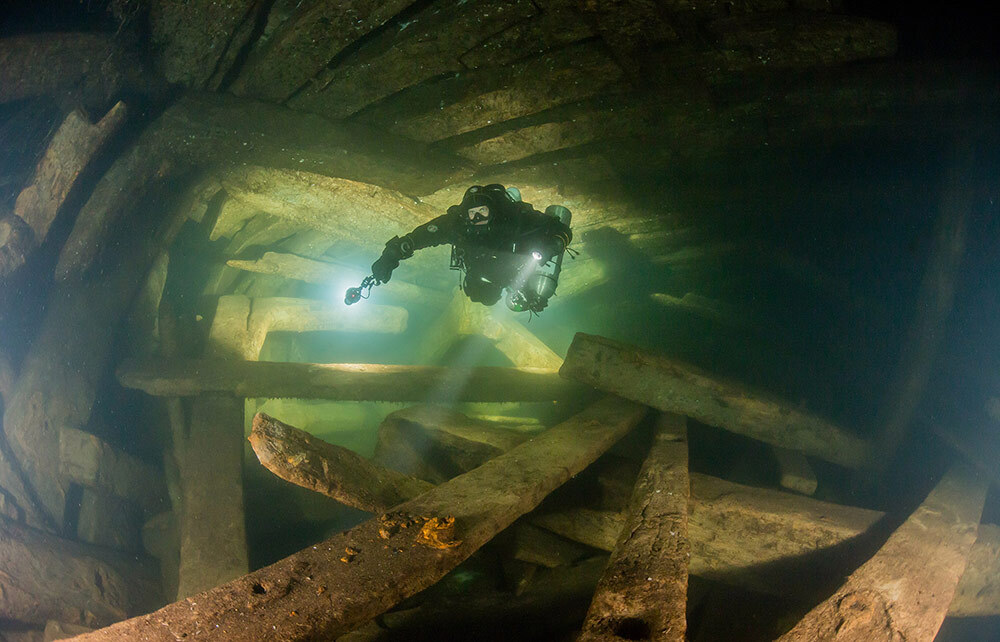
<point>643,591</point>
<point>328,589</point>
<point>675,387</point>
<point>904,591</point>
<point>209,454</point>
<point>212,529</point>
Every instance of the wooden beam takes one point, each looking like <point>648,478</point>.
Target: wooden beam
<point>336,472</point>
<point>328,589</point>
<point>344,382</point>
<point>903,592</point>
<point>45,577</point>
<point>643,591</point>
<point>676,387</point>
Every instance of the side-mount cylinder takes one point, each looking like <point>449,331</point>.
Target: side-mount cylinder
<point>542,284</point>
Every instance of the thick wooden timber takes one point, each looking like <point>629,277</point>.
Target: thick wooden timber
<point>343,381</point>
<point>299,458</point>
<point>327,589</point>
<point>644,587</point>
<point>904,591</point>
<point>44,577</point>
<point>676,387</point>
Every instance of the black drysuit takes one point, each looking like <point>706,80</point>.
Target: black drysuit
<point>492,259</point>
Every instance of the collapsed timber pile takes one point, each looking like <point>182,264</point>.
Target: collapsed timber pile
<point>443,487</point>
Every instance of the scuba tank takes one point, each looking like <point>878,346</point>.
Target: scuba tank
<point>541,284</point>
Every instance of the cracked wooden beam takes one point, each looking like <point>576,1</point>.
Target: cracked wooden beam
<point>643,590</point>
<point>672,386</point>
<point>46,577</point>
<point>345,382</point>
<point>332,587</point>
<point>904,591</point>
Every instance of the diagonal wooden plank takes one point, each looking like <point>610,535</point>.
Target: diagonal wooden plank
<point>327,589</point>
<point>672,386</point>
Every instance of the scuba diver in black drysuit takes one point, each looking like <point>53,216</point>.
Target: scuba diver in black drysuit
<point>498,241</point>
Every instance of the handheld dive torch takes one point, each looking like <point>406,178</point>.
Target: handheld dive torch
<point>363,291</point>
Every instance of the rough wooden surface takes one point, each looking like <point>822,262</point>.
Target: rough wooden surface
<point>327,589</point>
<point>796,473</point>
<point>212,520</point>
<point>643,591</point>
<point>16,243</point>
<point>903,592</point>
<point>739,535</point>
<point>44,577</point>
<point>345,382</point>
<point>69,153</point>
<point>297,457</point>
<point>675,387</point>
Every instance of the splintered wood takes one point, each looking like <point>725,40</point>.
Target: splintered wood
<point>327,589</point>
<point>643,592</point>
<point>904,591</point>
<point>675,387</point>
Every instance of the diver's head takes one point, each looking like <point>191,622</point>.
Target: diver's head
<point>481,206</point>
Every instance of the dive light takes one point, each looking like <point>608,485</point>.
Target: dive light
<point>354,295</point>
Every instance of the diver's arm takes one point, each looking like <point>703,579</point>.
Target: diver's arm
<point>434,232</point>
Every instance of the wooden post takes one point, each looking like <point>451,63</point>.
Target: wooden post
<point>327,589</point>
<point>675,387</point>
<point>643,591</point>
<point>904,591</point>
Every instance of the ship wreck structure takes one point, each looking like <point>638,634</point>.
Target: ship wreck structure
<point>737,419</point>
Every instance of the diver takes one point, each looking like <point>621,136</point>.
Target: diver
<point>498,242</point>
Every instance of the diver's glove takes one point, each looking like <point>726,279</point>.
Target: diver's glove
<point>396,249</point>
<point>383,267</point>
